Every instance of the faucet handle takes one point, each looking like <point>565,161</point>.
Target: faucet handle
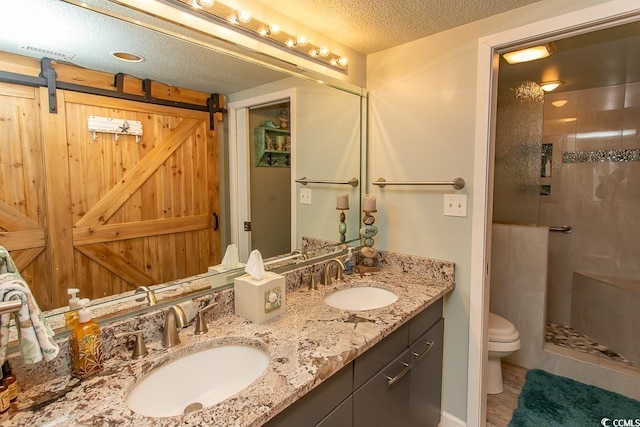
<point>311,279</point>
<point>139,347</point>
<point>201,324</point>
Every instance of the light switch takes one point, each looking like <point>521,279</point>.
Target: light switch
<point>305,196</point>
<point>455,204</point>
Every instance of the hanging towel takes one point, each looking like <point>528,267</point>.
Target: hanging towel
<point>6,263</point>
<point>35,337</point>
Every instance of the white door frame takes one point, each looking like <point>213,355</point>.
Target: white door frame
<point>239,153</point>
<point>606,14</point>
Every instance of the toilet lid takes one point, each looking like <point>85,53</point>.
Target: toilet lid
<point>501,330</point>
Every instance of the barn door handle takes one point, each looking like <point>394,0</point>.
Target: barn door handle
<point>216,222</point>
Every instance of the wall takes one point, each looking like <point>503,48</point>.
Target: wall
<point>596,165</point>
<point>327,139</point>
<point>422,126</point>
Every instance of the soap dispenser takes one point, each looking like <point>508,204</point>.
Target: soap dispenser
<point>349,262</point>
<point>85,344</point>
<point>71,317</point>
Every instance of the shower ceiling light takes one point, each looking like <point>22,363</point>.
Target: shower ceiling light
<point>549,86</point>
<point>528,54</point>
<point>559,103</point>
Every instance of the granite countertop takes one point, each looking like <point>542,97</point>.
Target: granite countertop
<point>306,345</point>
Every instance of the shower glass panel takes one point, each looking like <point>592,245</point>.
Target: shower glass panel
<point>517,153</point>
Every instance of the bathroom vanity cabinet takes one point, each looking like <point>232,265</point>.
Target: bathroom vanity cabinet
<point>396,382</point>
<point>272,147</point>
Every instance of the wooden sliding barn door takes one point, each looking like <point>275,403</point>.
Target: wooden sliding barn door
<point>22,188</point>
<point>114,214</point>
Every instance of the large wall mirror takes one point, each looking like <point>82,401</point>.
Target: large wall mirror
<point>208,178</point>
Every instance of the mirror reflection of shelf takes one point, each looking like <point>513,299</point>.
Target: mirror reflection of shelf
<point>272,147</point>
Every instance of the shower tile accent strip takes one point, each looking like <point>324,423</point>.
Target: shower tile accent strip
<point>601,156</point>
<point>566,336</point>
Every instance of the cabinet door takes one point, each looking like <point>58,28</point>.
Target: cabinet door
<point>426,377</point>
<point>342,416</point>
<point>384,400</point>
<point>318,403</point>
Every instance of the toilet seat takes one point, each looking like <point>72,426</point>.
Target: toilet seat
<point>501,330</point>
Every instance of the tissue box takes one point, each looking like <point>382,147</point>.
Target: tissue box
<point>218,278</point>
<point>260,300</point>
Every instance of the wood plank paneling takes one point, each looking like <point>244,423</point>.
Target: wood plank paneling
<point>60,226</point>
<point>115,264</point>
<point>133,230</point>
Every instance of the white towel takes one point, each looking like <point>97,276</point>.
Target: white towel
<point>34,335</point>
<point>6,263</point>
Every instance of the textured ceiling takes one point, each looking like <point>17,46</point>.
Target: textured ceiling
<point>369,26</point>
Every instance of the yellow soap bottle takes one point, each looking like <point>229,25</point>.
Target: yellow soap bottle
<point>85,344</point>
<point>71,317</point>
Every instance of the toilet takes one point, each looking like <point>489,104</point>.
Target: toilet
<point>504,340</point>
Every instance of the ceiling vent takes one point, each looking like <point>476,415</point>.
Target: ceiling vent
<point>46,53</point>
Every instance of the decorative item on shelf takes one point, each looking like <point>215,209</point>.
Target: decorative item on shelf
<point>284,118</point>
<point>272,145</point>
<point>368,231</point>
<point>342,205</point>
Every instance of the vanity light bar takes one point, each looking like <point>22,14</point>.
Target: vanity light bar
<point>270,33</point>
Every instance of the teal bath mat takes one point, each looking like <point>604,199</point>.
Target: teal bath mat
<point>550,400</point>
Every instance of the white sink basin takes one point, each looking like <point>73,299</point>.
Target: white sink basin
<point>197,380</point>
<point>361,298</point>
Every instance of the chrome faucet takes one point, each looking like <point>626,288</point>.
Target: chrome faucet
<point>327,271</point>
<point>173,319</point>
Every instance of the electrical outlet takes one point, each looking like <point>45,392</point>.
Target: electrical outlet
<point>305,196</point>
<point>455,204</point>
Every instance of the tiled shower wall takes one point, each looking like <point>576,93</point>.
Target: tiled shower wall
<point>595,188</point>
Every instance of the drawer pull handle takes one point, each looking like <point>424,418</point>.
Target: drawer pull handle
<point>429,344</point>
<point>407,368</point>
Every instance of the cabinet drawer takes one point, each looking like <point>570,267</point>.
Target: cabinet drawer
<point>380,355</point>
<point>384,400</point>
<point>424,320</point>
<point>316,404</point>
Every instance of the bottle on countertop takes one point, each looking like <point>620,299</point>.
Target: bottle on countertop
<point>5,402</point>
<point>349,262</point>
<point>85,344</point>
<point>10,381</point>
<point>71,317</point>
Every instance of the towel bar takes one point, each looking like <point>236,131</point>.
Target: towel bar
<point>352,182</point>
<point>458,183</point>
<point>10,306</point>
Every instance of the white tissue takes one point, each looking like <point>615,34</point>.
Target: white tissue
<point>230,259</point>
<point>255,266</point>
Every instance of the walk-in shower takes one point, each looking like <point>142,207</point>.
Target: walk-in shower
<point>568,162</point>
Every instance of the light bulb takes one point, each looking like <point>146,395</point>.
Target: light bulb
<point>233,19</point>
<point>244,16</point>
<point>263,31</point>
<point>290,43</point>
<point>313,53</point>
<point>274,29</point>
<point>323,51</point>
<point>301,41</point>
<point>204,3</point>
<point>343,61</point>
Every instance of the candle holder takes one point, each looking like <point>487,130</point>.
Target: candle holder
<point>367,232</point>
<point>342,228</point>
